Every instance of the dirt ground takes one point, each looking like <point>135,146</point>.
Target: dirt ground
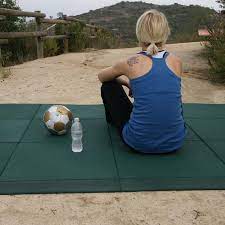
<point>72,78</point>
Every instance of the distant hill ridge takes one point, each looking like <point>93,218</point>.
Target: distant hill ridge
<point>121,18</point>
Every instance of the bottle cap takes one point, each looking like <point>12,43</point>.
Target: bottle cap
<point>77,119</point>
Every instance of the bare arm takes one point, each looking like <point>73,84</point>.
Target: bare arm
<point>116,71</point>
<point>175,64</point>
<point>123,82</point>
<point>113,72</point>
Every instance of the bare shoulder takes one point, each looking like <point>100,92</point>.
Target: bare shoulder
<point>138,65</point>
<point>131,63</point>
<point>175,63</point>
<point>175,59</point>
<point>134,60</point>
<point>138,61</point>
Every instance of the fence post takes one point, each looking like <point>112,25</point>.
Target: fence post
<point>66,45</point>
<point>1,64</point>
<point>66,40</point>
<point>1,60</point>
<point>2,42</point>
<point>39,41</point>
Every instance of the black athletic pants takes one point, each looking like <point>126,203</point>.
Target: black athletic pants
<point>118,107</point>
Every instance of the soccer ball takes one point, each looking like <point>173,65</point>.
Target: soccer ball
<point>58,119</point>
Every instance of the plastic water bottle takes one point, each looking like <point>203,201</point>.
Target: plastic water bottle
<point>77,133</point>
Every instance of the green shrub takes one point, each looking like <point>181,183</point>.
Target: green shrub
<point>50,47</point>
<point>215,48</point>
<point>4,73</point>
<point>60,30</point>
<point>78,37</point>
<point>29,49</point>
<point>13,52</point>
<point>104,39</point>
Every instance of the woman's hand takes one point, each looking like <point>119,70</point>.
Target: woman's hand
<point>125,83</point>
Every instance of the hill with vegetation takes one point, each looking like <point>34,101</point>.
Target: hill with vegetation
<point>121,18</point>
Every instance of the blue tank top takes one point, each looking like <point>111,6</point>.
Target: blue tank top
<point>156,123</point>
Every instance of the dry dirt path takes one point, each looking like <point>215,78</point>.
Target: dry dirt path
<point>71,78</point>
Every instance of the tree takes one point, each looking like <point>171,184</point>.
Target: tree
<point>15,50</point>
<point>222,3</point>
<point>216,45</point>
<point>11,23</point>
<point>60,15</point>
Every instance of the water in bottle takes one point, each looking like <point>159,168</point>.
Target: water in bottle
<point>77,133</point>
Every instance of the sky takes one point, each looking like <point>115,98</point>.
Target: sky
<point>76,7</point>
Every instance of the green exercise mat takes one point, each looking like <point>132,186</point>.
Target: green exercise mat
<point>6,150</point>
<point>208,129</point>
<point>38,166</point>
<point>18,111</point>
<point>218,147</point>
<point>34,161</point>
<point>12,130</point>
<point>188,168</point>
<point>81,111</point>
<point>203,111</point>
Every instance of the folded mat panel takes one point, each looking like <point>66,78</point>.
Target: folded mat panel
<point>204,111</point>
<point>51,166</point>
<point>195,166</point>
<point>6,150</point>
<point>18,111</point>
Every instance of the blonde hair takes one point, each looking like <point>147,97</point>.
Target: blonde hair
<point>152,30</point>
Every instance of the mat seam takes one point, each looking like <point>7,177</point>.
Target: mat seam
<point>204,118</point>
<point>117,170</point>
<point>111,179</point>
<point>203,140</point>
<point>17,143</point>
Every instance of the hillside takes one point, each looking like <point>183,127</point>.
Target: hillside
<point>121,18</point>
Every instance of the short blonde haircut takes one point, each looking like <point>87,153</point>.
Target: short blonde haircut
<point>152,30</point>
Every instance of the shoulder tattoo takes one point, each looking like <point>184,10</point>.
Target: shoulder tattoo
<point>133,60</point>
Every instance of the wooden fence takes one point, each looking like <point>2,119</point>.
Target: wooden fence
<point>40,35</point>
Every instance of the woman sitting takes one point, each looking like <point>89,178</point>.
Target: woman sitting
<point>154,123</point>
